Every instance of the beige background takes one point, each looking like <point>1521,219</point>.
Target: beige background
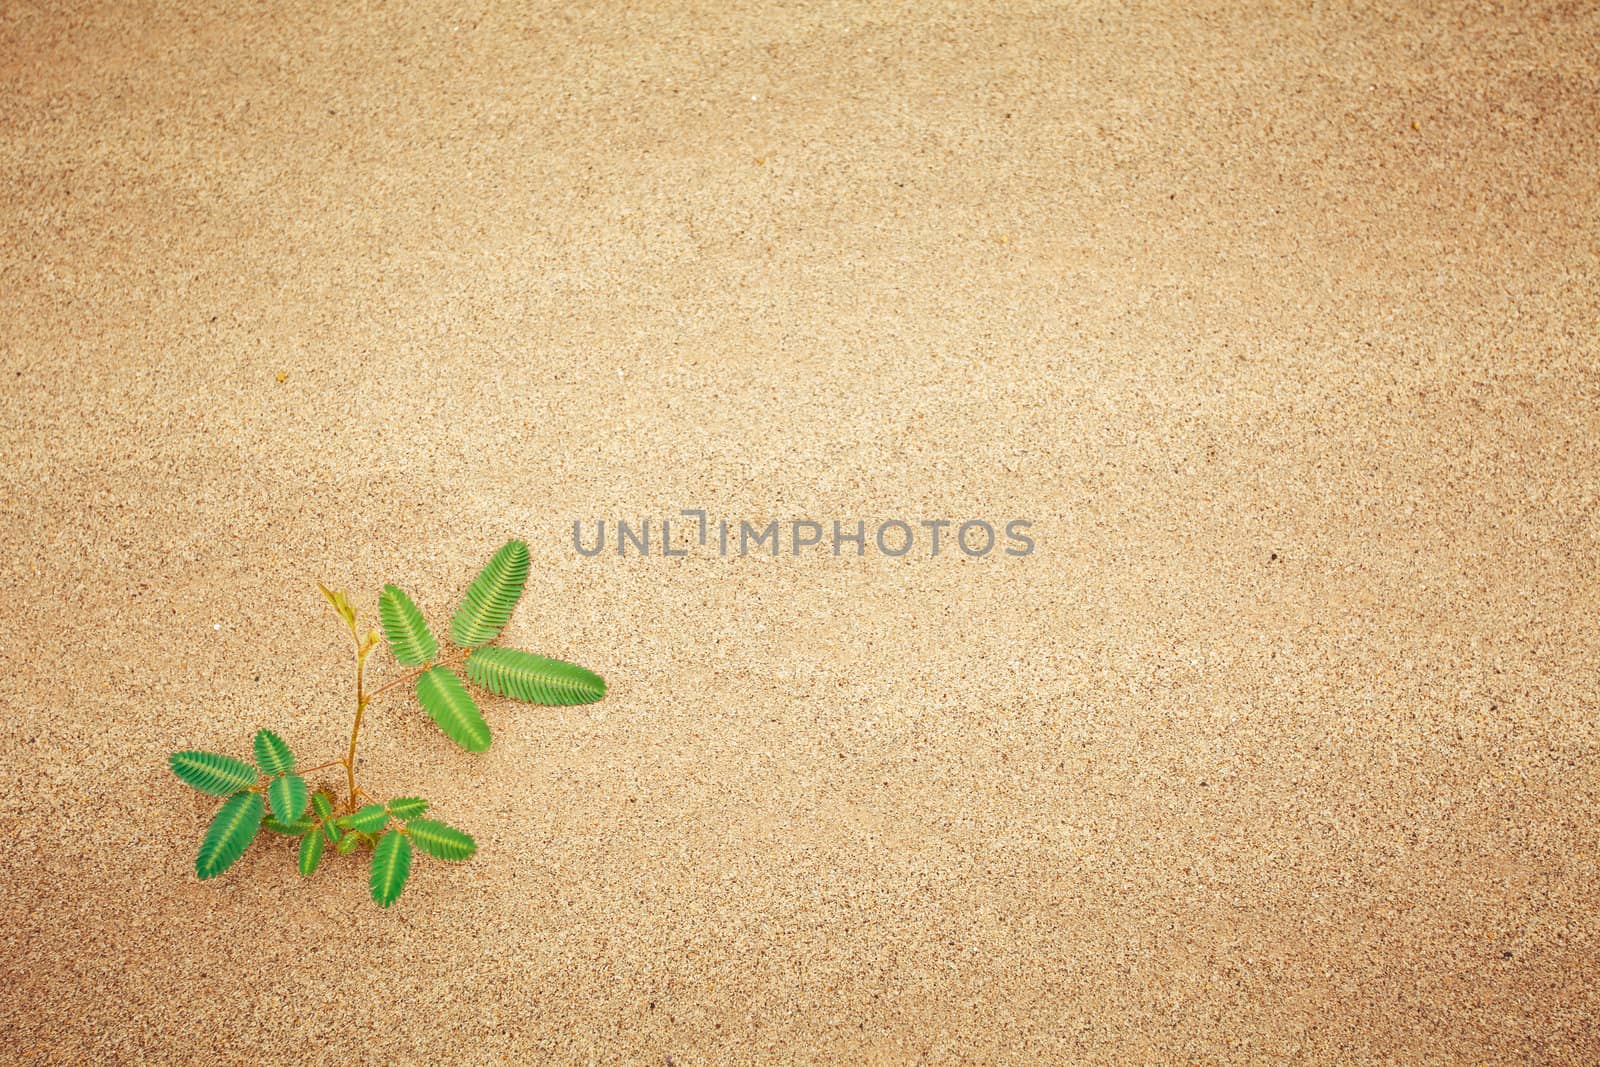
<point>1189,286</point>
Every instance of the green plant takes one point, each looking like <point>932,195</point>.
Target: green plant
<point>273,791</point>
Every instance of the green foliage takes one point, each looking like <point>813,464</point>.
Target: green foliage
<point>272,755</point>
<point>231,832</point>
<point>492,596</point>
<point>274,793</point>
<point>322,808</point>
<point>391,866</point>
<point>212,773</point>
<point>534,679</point>
<point>407,807</point>
<point>287,795</point>
<point>310,854</point>
<point>369,820</point>
<point>410,640</point>
<point>452,707</point>
<point>441,841</point>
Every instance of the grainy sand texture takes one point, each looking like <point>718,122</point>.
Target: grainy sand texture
<point>1279,322</point>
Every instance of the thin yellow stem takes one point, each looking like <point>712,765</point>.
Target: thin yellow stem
<point>320,767</point>
<point>363,698</point>
<point>355,730</point>
<point>386,686</point>
<point>458,656</point>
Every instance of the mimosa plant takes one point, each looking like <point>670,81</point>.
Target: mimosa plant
<point>273,791</point>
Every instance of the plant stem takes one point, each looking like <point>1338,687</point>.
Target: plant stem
<point>458,656</point>
<point>386,686</point>
<point>363,698</point>
<point>355,730</point>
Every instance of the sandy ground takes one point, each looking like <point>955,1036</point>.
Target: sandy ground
<point>1280,326</point>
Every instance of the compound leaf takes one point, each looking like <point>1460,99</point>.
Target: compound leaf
<point>492,596</point>
<point>407,807</point>
<point>211,772</point>
<point>534,679</point>
<point>369,819</point>
<point>347,844</point>
<point>230,834</point>
<point>441,841</point>
<point>410,640</point>
<point>452,707</point>
<point>291,828</point>
<point>310,854</point>
<point>288,796</point>
<point>391,865</point>
<point>272,755</point>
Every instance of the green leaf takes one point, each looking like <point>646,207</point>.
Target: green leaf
<point>535,679</point>
<point>407,807</point>
<point>292,828</point>
<point>441,841</point>
<point>288,796</point>
<point>310,854</point>
<point>369,819</point>
<point>322,804</point>
<point>410,639</point>
<point>272,755</point>
<point>391,865</point>
<point>491,597</point>
<point>212,773</point>
<point>347,844</point>
<point>452,707</point>
<point>230,834</point>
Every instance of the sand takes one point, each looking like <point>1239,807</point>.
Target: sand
<point>1279,324</point>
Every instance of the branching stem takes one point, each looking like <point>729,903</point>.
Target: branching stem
<point>363,698</point>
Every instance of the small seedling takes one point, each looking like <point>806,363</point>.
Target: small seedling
<point>273,791</point>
